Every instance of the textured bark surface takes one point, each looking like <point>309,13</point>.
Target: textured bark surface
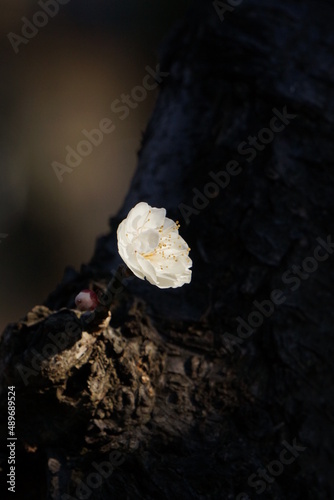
<point>193,408</point>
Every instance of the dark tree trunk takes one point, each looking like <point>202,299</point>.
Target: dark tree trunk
<point>225,385</point>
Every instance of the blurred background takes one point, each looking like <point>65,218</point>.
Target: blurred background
<point>59,78</point>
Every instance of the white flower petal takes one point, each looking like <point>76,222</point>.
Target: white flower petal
<point>136,215</point>
<point>148,269</point>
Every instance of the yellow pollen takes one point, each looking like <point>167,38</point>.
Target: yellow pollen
<point>148,254</point>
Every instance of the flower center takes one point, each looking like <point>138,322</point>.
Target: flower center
<point>146,242</point>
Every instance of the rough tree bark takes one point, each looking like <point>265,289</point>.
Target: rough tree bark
<point>197,405</point>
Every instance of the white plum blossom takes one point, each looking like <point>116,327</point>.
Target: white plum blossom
<point>150,245</point>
